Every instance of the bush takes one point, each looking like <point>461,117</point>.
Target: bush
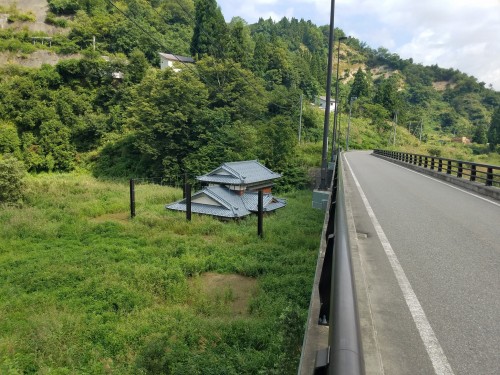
<point>12,174</point>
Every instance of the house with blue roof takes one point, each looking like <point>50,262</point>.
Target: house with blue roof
<point>232,191</point>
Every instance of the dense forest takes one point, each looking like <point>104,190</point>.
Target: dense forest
<point>240,100</point>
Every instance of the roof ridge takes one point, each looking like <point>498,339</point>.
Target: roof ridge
<point>227,204</point>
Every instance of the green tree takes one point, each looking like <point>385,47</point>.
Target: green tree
<point>360,86</point>
<point>170,118</point>
<point>480,134</point>
<point>494,131</point>
<point>9,140</point>
<point>240,46</point>
<point>210,36</point>
<point>12,174</point>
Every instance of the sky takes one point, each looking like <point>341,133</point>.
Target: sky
<point>459,34</point>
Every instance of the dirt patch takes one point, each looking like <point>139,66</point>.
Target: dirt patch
<point>39,8</point>
<point>121,217</point>
<point>236,290</point>
<point>441,85</point>
<point>35,59</point>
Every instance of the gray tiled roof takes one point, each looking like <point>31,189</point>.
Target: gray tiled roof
<point>232,205</point>
<point>240,173</point>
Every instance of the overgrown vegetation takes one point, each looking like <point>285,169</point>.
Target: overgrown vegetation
<point>84,289</point>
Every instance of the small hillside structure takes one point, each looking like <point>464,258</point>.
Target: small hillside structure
<point>232,191</point>
<point>168,60</point>
<point>322,103</point>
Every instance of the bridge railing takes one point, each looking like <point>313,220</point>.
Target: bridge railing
<point>486,174</point>
<point>337,293</point>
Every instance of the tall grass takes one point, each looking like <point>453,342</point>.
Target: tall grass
<point>85,289</point>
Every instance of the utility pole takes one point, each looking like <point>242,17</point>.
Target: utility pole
<point>421,121</point>
<point>395,124</point>
<point>324,155</point>
<point>353,98</point>
<point>300,118</point>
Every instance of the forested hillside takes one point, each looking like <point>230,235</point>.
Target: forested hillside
<point>239,101</point>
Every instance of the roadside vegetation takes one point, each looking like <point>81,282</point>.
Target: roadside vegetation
<point>85,289</point>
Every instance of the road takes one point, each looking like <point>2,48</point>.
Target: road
<point>430,260</point>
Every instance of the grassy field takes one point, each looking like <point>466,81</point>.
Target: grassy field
<point>86,290</point>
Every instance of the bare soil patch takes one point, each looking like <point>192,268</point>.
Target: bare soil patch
<point>441,85</point>
<point>240,289</point>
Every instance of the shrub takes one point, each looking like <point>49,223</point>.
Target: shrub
<point>435,151</point>
<point>12,174</point>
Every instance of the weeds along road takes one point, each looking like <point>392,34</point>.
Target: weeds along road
<point>431,262</point>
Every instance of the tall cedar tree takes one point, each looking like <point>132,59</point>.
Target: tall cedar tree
<point>360,87</point>
<point>211,34</point>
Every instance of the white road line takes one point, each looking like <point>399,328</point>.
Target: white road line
<point>445,183</point>
<point>431,343</point>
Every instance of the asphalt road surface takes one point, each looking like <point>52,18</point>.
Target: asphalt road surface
<point>430,255</point>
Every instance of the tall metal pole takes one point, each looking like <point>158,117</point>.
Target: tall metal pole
<point>337,106</point>
<point>324,155</point>
<point>300,118</point>
<point>349,123</point>
<point>395,124</point>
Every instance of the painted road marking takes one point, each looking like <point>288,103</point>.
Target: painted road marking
<point>431,343</point>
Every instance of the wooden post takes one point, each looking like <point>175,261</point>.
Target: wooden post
<point>260,221</point>
<point>188,201</point>
<point>132,198</point>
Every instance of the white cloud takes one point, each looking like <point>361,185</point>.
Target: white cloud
<point>461,34</point>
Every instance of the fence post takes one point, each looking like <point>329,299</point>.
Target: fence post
<point>440,165</point>
<point>132,198</point>
<point>426,162</point>
<point>260,221</point>
<point>473,172</point>
<point>432,163</point>
<point>448,167</point>
<point>489,177</point>
<point>187,189</point>
<point>184,185</point>
<point>460,170</point>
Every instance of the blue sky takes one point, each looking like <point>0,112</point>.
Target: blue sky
<point>461,34</point>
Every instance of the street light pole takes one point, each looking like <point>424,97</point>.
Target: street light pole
<point>336,100</point>
<point>353,98</point>
<point>324,156</point>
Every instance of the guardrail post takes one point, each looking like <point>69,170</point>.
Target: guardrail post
<point>440,165</point>
<point>432,163</point>
<point>448,167</point>
<point>426,162</point>
<point>473,172</point>
<point>489,177</point>
<point>419,160</point>
<point>460,169</point>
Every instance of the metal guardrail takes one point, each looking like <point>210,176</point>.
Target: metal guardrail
<point>487,174</point>
<point>338,293</point>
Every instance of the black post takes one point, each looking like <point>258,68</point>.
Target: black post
<point>473,172</point>
<point>489,177</point>
<point>187,189</point>
<point>260,221</point>
<point>132,198</point>
<point>184,186</point>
